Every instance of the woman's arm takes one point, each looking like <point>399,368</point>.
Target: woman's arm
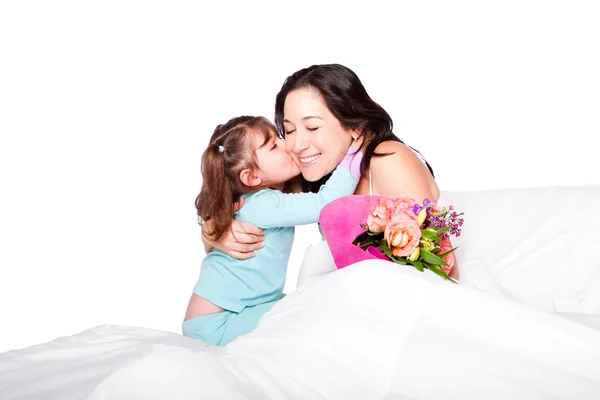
<point>454,272</point>
<point>238,242</point>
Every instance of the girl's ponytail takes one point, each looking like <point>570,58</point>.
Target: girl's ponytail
<point>215,201</point>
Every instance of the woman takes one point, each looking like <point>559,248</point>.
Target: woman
<point>319,111</point>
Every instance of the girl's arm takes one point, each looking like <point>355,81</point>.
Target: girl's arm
<point>272,208</point>
<point>244,238</point>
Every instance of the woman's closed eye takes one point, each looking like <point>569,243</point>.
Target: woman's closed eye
<point>312,129</point>
<point>290,132</point>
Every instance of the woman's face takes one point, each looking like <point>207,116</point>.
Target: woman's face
<point>313,136</point>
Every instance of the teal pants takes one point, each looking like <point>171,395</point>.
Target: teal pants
<point>222,327</point>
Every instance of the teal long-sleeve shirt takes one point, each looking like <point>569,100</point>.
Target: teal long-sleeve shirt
<point>234,284</point>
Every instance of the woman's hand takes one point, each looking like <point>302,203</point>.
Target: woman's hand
<point>454,272</point>
<point>238,242</point>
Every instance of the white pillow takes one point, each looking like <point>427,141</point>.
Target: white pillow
<point>538,245</point>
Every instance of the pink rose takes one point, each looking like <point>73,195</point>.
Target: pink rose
<point>405,202</point>
<point>402,205</point>
<point>402,234</point>
<point>450,259</point>
<point>380,215</point>
<point>436,209</point>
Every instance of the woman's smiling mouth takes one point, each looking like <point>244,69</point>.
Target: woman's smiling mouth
<point>306,161</point>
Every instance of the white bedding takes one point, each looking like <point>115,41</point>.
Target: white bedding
<point>407,335</point>
<point>376,330</point>
<point>71,367</point>
<point>535,245</point>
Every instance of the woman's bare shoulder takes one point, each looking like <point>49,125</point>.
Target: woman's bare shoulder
<point>390,146</point>
<point>398,154</point>
<point>401,173</point>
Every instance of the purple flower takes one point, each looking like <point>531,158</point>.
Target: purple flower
<point>416,209</point>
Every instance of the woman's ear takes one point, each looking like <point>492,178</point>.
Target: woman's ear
<point>250,178</point>
<point>356,135</point>
<point>357,138</point>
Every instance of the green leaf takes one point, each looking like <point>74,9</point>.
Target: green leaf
<point>360,238</point>
<point>418,265</point>
<point>446,253</point>
<point>427,234</point>
<point>370,240</point>
<point>399,260</point>
<point>440,272</point>
<point>367,239</point>
<point>432,258</point>
<point>386,250</point>
<point>442,230</point>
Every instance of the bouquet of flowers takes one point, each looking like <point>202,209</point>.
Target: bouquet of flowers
<point>406,232</point>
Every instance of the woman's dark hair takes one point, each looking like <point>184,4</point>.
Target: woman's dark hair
<point>347,99</point>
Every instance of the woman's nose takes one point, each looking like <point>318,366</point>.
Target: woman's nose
<point>300,141</point>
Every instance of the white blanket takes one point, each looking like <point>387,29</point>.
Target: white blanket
<point>374,330</point>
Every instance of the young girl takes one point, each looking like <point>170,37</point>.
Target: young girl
<point>246,160</point>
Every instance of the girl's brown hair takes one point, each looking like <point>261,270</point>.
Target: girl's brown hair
<point>231,150</point>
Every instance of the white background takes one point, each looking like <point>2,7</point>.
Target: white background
<point>105,110</point>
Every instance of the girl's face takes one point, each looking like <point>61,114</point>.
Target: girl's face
<point>313,136</point>
<point>275,165</point>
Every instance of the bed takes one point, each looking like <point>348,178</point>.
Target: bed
<point>523,323</point>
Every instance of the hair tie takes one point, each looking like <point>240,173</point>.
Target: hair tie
<point>221,149</point>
